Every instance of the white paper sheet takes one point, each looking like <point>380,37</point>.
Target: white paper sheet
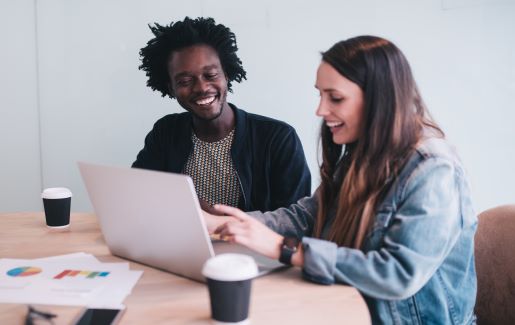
<point>74,279</point>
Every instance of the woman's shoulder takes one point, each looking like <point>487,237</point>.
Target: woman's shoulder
<point>437,149</point>
<point>432,153</point>
<point>432,156</point>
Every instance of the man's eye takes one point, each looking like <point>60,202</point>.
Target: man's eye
<point>211,76</point>
<point>183,82</point>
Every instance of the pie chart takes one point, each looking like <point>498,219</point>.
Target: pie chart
<point>24,271</point>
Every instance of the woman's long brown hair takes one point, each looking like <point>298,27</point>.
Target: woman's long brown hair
<point>355,177</point>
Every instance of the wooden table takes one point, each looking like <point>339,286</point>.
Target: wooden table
<point>164,298</point>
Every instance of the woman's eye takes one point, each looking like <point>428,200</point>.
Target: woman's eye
<point>336,99</point>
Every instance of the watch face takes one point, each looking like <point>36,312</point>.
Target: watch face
<point>291,243</point>
<point>289,247</point>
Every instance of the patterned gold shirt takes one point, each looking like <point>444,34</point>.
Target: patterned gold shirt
<point>211,168</point>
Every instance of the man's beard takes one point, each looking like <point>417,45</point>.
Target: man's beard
<point>210,118</point>
<point>221,100</point>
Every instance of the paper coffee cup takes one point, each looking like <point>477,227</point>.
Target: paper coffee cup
<point>229,278</point>
<point>57,203</point>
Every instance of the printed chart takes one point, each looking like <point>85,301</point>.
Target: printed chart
<point>77,279</point>
<point>24,271</point>
<point>86,274</point>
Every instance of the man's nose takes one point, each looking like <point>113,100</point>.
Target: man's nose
<point>201,85</point>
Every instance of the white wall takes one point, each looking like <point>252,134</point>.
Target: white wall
<point>20,175</point>
<point>94,105</point>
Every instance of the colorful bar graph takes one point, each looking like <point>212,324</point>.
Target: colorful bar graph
<point>92,275</point>
<point>29,270</point>
<point>62,274</point>
<point>86,274</point>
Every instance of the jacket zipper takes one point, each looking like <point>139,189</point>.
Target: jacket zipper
<point>242,191</point>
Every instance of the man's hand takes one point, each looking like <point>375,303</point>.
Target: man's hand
<point>209,208</point>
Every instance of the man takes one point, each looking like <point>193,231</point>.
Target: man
<point>234,157</point>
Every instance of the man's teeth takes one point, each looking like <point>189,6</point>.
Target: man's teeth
<point>205,101</point>
<point>333,124</point>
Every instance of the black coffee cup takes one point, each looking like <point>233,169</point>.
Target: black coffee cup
<point>229,278</point>
<point>57,203</point>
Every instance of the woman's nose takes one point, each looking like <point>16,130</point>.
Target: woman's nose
<point>322,109</point>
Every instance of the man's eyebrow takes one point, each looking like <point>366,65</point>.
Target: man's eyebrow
<point>181,74</point>
<point>188,73</point>
<point>210,67</point>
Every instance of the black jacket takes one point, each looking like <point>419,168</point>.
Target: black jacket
<point>267,155</point>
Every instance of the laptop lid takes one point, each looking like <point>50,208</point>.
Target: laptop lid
<point>150,217</point>
<point>155,218</point>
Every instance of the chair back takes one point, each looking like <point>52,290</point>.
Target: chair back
<point>495,266</point>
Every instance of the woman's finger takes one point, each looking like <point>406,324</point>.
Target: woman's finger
<point>231,211</point>
<point>230,229</point>
<point>221,228</point>
<point>223,233</point>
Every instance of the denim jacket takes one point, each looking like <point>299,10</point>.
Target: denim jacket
<point>416,265</point>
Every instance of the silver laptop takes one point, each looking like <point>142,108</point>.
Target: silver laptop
<point>155,218</point>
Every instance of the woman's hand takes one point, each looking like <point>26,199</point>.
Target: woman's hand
<point>245,230</point>
<point>214,221</point>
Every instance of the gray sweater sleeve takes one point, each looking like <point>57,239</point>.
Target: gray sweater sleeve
<point>296,220</point>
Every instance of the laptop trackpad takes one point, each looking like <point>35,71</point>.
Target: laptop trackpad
<point>265,264</point>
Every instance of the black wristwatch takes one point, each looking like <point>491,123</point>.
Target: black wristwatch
<point>289,246</point>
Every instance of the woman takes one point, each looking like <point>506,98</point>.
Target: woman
<point>392,216</point>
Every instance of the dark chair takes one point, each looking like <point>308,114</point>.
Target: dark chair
<point>495,266</point>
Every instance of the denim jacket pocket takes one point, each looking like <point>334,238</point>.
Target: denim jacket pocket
<point>377,230</point>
